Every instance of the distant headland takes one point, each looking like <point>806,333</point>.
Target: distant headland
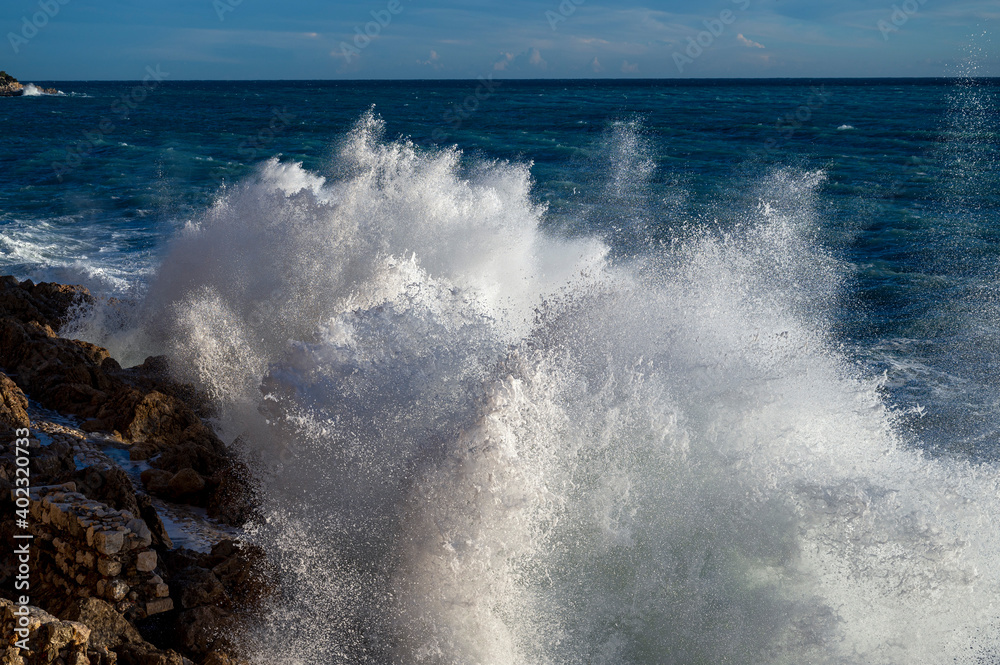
<point>11,87</point>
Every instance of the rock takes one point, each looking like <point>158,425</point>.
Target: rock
<point>52,462</point>
<point>61,374</point>
<point>47,303</point>
<point>159,606</point>
<point>158,532</point>
<point>185,484</point>
<point>145,562</point>
<point>205,629</point>
<point>197,449</point>
<point>139,528</point>
<point>197,586</point>
<point>245,573</point>
<point>109,629</point>
<point>49,639</point>
<point>151,416</point>
<point>13,406</point>
<point>157,481</point>
<point>10,87</point>
<point>235,499</point>
<point>109,542</point>
<point>110,486</point>
<point>108,567</point>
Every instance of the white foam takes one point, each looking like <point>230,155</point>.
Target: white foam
<point>482,444</point>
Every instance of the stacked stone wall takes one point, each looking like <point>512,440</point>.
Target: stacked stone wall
<point>86,548</point>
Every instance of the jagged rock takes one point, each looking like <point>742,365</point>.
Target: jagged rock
<point>62,374</point>
<point>75,377</point>
<point>158,531</point>
<point>244,572</point>
<point>49,463</point>
<point>196,587</point>
<point>235,499</point>
<point>109,629</point>
<point>197,449</point>
<point>110,486</point>
<point>219,658</point>
<point>147,654</point>
<point>47,303</point>
<point>49,639</point>
<point>151,416</point>
<point>13,406</point>
<point>205,629</point>
<point>186,484</point>
<point>10,86</point>
<point>154,374</point>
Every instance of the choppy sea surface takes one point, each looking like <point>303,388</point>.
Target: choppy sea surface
<point>564,371</point>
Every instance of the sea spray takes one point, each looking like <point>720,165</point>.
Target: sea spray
<point>483,444</point>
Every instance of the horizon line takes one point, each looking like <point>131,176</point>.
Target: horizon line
<point>546,80</point>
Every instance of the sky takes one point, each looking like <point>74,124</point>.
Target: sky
<point>63,40</point>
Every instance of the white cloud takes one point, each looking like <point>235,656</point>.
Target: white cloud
<point>505,59</point>
<point>749,43</point>
<point>536,59</point>
<point>510,62</point>
<point>433,61</point>
<point>596,65</point>
<point>630,67</point>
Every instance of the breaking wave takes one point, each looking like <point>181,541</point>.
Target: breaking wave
<point>482,443</point>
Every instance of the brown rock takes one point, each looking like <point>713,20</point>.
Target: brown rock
<point>197,448</point>
<point>245,573</point>
<point>110,486</point>
<point>62,374</point>
<point>235,499</point>
<point>109,629</point>
<point>158,532</point>
<point>219,658</point>
<point>157,481</point>
<point>205,629</point>
<point>13,406</point>
<point>198,586</point>
<point>51,463</point>
<point>47,303</point>
<point>185,484</point>
<point>149,416</point>
<point>48,637</point>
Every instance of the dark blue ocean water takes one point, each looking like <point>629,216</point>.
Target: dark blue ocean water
<point>563,371</point>
<point>94,183</point>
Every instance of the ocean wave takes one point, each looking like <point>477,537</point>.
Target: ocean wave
<point>31,90</point>
<point>481,443</point>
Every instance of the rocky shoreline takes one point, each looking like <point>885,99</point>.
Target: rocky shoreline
<point>135,506</point>
<point>11,87</point>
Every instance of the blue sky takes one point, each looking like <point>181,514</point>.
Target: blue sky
<point>317,39</point>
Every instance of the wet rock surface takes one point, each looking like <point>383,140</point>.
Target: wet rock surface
<point>123,471</point>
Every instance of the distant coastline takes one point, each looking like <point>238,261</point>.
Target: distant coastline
<point>11,87</point>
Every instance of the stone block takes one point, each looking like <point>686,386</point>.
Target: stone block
<point>109,542</point>
<point>108,568</point>
<point>146,561</point>
<point>116,590</point>
<point>159,605</point>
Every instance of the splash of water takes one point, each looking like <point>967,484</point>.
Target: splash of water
<point>482,444</point>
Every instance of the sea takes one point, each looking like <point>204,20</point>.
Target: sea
<point>557,372</point>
